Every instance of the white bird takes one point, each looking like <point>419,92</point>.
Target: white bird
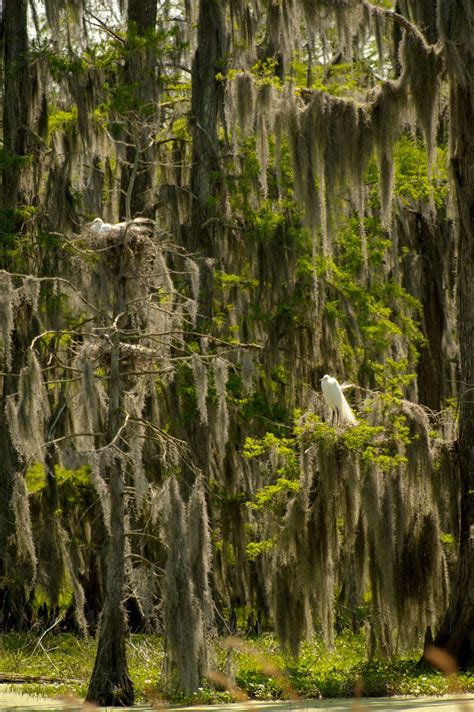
<point>98,225</point>
<point>336,401</point>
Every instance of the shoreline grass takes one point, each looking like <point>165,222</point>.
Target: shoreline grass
<point>257,667</point>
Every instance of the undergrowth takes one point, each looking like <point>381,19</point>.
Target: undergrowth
<point>259,668</point>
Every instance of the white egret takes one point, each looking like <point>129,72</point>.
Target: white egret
<point>336,401</point>
<point>98,225</point>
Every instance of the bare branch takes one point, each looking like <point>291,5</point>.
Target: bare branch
<point>105,27</point>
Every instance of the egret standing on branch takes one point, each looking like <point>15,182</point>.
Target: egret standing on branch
<point>336,401</point>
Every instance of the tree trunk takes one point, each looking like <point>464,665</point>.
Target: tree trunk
<point>9,465</point>
<point>16,104</point>
<point>139,168</point>
<point>423,13</point>
<point>15,578</point>
<point>110,683</point>
<point>16,100</point>
<point>433,242</point>
<point>457,631</point>
<point>206,103</point>
<point>207,187</point>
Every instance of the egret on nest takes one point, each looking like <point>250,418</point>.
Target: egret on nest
<point>336,401</point>
<point>98,225</point>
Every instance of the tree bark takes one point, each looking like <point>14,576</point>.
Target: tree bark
<point>110,683</point>
<point>207,189</point>
<point>16,100</point>
<point>433,372</point>
<point>15,577</point>
<point>424,15</point>
<point>457,630</point>
<point>206,103</point>
<point>9,465</point>
<point>138,170</point>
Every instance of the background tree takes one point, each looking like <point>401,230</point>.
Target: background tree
<point>456,633</point>
<point>137,180</point>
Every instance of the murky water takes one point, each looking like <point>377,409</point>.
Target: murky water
<point>14,702</point>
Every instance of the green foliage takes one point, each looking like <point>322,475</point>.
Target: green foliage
<point>448,540</point>
<point>341,79</point>
<point>62,65</point>
<point>123,98</point>
<point>277,216</point>
<point>264,674</point>
<point>257,684</point>
<point>266,220</point>
<point>261,671</point>
<point>187,393</point>
<point>228,550</point>
<point>71,659</point>
<point>265,71</point>
<point>412,180</point>
<point>105,61</point>
<point>266,403</point>
<point>16,241</point>
<point>72,484</point>
<point>345,79</point>
<point>254,447</point>
<point>384,311</point>
<point>282,457</point>
<point>14,160</point>
<point>272,495</point>
<point>180,130</point>
<point>35,478</point>
<point>226,279</point>
<point>73,478</point>
<point>62,120</point>
<point>312,428</point>
<point>360,437</point>
<point>65,597</point>
<point>391,377</point>
<point>373,443</point>
<point>257,548</point>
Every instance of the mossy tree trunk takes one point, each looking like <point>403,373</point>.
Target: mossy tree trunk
<point>9,465</point>
<point>457,631</point>
<point>206,103</point>
<point>433,372</point>
<point>423,13</point>
<point>207,189</point>
<point>16,99</point>
<point>16,575</point>
<point>139,74</point>
<point>110,683</point>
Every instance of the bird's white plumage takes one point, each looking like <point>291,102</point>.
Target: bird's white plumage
<point>96,225</point>
<point>99,226</point>
<point>336,401</point>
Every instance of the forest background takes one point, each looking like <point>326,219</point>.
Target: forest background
<point>288,190</point>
